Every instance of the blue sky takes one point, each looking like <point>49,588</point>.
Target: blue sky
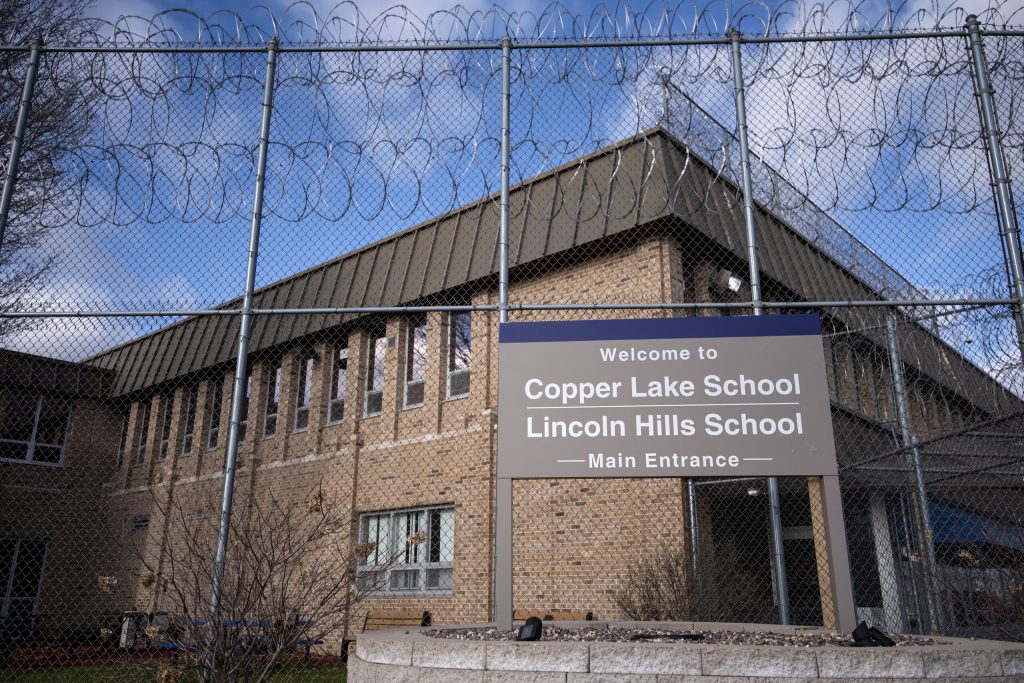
<point>387,140</point>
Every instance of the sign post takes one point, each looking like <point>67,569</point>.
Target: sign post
<point>667,397</point>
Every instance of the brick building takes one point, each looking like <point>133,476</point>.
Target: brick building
<point>393,416</point>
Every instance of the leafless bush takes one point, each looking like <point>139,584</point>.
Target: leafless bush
<point>663,587</point>
<point>659,589</point>
<point>288,583</point>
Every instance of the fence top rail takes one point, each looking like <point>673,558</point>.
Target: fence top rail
<point>949,304</point>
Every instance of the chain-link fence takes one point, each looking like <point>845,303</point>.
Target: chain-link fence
<point>251,276</point>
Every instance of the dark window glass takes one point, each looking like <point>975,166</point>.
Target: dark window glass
<point>273,400</point>
<point>123,442</point>
<point>243,421</point>
<point>17,424</point>
<point>21,570</point>
<point>52,429</point>
<point>32,428</point>
<point>459,354</point>
<point>142,435</point>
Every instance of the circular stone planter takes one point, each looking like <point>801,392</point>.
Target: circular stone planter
<point>409,655</point>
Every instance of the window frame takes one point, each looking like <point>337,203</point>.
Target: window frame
<point>142,433</point>
<point>306,368</point>
<point>190,411</point>
<point>243,421</point>
<point>214,407</point>
<point>373,339</point>
<point>384,588</point>
<point>339,382</point>
<point>166,415</point>
<point>10,571</point>
<point>33,443</point>
<point>274,377</point>
<point>451,357</point>
<point>409,366</point>
<point>122,443</point>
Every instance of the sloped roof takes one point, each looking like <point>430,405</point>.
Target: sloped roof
<point>41,374</point>
<point>637,181</point>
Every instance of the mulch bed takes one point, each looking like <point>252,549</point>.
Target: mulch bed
<point>654,635</point>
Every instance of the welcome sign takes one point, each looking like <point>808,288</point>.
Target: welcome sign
<point>665,397</point>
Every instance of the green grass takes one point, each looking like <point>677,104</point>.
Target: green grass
<point>146,673</point>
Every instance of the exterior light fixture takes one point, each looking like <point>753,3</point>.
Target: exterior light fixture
<point>753,492</point>
<point>727,281</point>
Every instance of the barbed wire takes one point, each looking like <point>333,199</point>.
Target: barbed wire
<point>306,23</point>
<point>160,149</point>
<point>847,135</point>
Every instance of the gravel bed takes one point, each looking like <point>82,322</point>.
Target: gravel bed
<point>654,635</point>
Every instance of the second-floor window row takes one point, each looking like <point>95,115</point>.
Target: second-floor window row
<point>457,346</point>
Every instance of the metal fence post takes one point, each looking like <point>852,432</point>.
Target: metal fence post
<point>756,302</point>
<point>245,328</point>
<point>778,556</point>
<point>909,441</point>
<point>691,499</point>
<point>506,160</point>
<point>19,135</point>
<point>503,495</point>
<point>1002,192</point>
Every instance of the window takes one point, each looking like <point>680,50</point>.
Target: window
<point>339,380</point>
<point>213,407</point>
<point>415,362</point>
<point>243,420</point>
<point>139,523</point>
<point>166,412</point>
<point>189,427</point>
<point>459,348</point>
<point>273,399</point>
<point>303,392</point>
<point>32,428</point>
<point>123,443</point>
<point>21,576</point>
<point>376,349</point>
<point>394,565</point>
<point>142,433</point>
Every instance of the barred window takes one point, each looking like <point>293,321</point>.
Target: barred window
<point>459,354</point>
<point>339,381</point>
<point>377,345</point>
<point>189,419</point>
<point>273,399</point>
<point>33,428</point>
<point>415,362</point>
<point>395,566</point>
<point>303,392</point>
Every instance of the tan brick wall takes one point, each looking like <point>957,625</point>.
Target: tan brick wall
<point>575,539</point>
